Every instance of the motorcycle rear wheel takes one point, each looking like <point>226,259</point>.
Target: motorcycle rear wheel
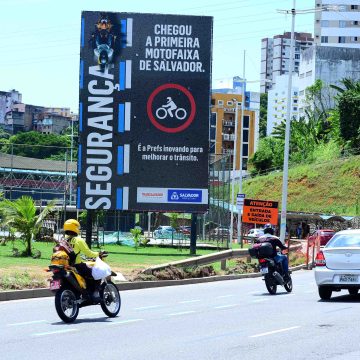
<point>110,299</point>
<point>288,285</point>
<point>66,305</point>
<point>270,285</point>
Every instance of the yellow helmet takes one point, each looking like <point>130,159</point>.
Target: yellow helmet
<point>72,225</point>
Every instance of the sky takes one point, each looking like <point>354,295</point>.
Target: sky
<point>40,40</point>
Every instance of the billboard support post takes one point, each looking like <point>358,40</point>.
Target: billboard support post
<point>193,234</point>
<point>89,222</point>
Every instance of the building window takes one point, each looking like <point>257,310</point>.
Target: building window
<point>301,93</point>
<point>325,23</point>
<point>342,23</point>
<point>245,150</point>
<point>220,102</point>
<point>295,93</point>
<point>246,121</point>
<point>245,136</point>
<point>229,103</point>
<point>354,7</point>
<point>308,73</point>
<point>342,39</point>
<point>355,39</point>
<point>294,108</point>
<point>297,56</point>
<point>355,23</point>
<point>324,39</point>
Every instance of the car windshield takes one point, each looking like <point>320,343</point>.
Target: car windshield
<point>344,240</point>
<point>327,233</point>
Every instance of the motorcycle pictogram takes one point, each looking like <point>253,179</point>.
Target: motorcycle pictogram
<point>167,109</point>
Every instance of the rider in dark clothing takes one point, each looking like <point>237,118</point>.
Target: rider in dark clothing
<point>275,242</point>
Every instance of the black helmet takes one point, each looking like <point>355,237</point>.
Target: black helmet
<point>268,229</point>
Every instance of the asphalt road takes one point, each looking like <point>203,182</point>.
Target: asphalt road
<point>221,320</point>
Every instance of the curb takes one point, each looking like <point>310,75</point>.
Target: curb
<point>39,293</point>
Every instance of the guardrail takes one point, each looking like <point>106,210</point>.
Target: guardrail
<point>209,259</point>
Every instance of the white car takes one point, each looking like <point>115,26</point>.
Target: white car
<point>338,264</point>
<point>164,231</point>
<point>255,233</point>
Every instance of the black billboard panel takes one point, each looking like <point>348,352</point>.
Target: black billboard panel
<point>144,112</point>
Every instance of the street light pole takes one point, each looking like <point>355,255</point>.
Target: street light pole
<point>287,131</point>
<point>71,159</point>
<point>239,220</point>
<point>233,175</point>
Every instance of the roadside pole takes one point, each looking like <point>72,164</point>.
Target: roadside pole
<point>193,234</point>
<point>89,221</point>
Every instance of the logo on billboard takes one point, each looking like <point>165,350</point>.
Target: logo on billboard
<point>192,196</point>
<point>171,108</point>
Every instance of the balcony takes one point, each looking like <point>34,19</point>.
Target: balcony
<point>229,137</point>
<point>229,123</point>
<point>228,151</point>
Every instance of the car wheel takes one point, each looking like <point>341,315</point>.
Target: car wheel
<point>353,291</point>
<point>325,292</point>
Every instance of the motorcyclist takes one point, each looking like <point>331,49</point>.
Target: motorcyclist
<point>72,232</point>
<point>275,242</point>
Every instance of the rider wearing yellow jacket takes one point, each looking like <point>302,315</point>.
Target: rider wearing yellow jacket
<point>72,232</point>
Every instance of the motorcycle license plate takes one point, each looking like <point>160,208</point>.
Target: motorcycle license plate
<point>54,284</point>
<point>264,270</point>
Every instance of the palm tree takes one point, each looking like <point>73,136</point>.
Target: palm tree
<point>21,215</point>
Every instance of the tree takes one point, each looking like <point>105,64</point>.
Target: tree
<point>270,154</point>
<point>37,145</point>
<point>21,215</point>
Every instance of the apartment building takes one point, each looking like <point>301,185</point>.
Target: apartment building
<point>275,55</point>
<point>277,102</point>
<point>338,24</point>
<point>222,128</point>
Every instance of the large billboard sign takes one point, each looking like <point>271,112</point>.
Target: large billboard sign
<point>144,112</point>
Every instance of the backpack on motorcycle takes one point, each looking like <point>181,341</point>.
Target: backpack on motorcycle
<point>261,250</point>
<point>64,246</point>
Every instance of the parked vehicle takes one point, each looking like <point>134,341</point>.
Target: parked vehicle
<point>71,292</point>
<point>164,230</point>
<point>337,265</point>
<point>255,233</point>
<point>324,235</point>
<point>221,231</point>
<point>186,230</point>
<point>271,271</point>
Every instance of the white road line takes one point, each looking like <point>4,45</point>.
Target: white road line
<point>275,332</point>
<point>182,313</point>
<point>28,323</point>
<point>54,332</point>
<point>148,307</point>
<point>259,300</point>
<point>224,296</point>
<point>125,322</point>
<point>188,301</point>
<point>226,306</point>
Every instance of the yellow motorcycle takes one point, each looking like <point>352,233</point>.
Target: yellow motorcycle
<point>72,290</point>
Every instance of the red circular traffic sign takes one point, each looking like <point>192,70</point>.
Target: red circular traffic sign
<point>162,127</point>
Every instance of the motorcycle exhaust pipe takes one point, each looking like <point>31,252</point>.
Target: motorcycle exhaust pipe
<point>278,278</point>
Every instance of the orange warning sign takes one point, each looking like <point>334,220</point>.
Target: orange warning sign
<point>260,212</point>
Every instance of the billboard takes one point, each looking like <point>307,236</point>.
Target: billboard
<point>260,212</point>
<point>144,112</point>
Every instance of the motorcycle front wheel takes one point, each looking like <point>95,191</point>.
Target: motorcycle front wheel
<point>66,305</point>
<point>270,285</point>
<point>110,299</point>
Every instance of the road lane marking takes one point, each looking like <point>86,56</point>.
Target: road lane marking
<point>54,332</point>
<point>259,300</point>
<point>275,332</point>
<point>341,309</point>
<point>148,307</point>
<point>224,296</point>
<point>182,313</point>
<point>125,322</point>
<point>225,306</point>
<point>28,323</point>
<point>188,301</point>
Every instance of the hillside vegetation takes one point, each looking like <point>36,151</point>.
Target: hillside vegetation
<point>330,188</point>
